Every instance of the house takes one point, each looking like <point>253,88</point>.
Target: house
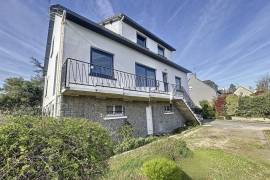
<point>242,91</point>
<point>113,72</point>
<point>200,91</point>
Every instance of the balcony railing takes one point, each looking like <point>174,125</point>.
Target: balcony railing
<point>78,72</point>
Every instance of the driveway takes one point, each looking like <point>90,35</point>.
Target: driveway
<point>243,138</point>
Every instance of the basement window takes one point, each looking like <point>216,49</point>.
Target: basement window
<point>168,109</point>
<point>115,112</point>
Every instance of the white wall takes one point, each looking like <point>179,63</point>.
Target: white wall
<point>115,26</point>
<point>79,40</point>
<point>200,91</point>
<point>49,99</point>
<point>130,33</point>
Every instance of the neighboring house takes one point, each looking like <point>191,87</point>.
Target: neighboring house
<point>200,91</point>
<point>113,72</point>
<point>242,91</point>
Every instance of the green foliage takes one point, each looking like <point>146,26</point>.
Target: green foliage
<point>133,143</point>
<point>35,148</point>
<point>208,111</point>
<point>231,104</point>
<point>257,106</point>
<point>162,169</point>
<point>21,96</point>
<point>125,132</point>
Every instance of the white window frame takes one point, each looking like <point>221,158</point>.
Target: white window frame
<point>115,115</point>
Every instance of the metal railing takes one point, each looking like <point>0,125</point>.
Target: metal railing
<point>83,73</point>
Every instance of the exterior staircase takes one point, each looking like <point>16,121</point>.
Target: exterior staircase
<point>185,105</point>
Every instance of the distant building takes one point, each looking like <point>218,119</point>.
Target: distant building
<point>242,91</point>
<point>200,91</point>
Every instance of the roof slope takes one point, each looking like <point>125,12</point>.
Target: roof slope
<point>86,23</point>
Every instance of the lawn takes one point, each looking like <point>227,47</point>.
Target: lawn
<point>201,162</point>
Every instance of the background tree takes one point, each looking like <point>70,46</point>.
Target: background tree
<point>263,84</point>
<point>232,88</point>
<point>211,84</point>
<point>23,96</point>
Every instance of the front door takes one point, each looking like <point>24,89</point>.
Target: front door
<point>149,120</point>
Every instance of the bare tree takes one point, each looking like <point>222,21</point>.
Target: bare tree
<point>263,84</point>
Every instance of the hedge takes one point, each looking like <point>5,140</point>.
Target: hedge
<point>35,148</point>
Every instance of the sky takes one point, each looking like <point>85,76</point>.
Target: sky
<point>227,41</point>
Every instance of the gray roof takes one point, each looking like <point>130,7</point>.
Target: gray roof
<point>84,22</point>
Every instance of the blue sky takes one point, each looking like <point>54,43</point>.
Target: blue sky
<point>227,41</point>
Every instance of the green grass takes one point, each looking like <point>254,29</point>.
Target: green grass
<point>199,164</point>
<point>267,135</point>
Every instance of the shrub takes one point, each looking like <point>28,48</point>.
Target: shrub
<point>208,111</point>
<point>161,169</point>
<point>133,143</point>
<point>125,132</point>
<point>228,117</point>
<point>231,104</point>
<point>35,148</point>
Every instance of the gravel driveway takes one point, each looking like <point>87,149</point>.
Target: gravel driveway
<point>243,138</point>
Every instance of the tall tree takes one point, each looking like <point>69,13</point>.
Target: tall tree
<point>263,84</point>
<point>232,88</point>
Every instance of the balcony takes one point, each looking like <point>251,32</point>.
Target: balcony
<point>82,77</point>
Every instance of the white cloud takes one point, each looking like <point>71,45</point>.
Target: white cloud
<point>104,8</point>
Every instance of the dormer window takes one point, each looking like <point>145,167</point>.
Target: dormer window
<point>160,51</point>
<point>141,40</point>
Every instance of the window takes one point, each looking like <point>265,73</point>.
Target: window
<point>52,47</point>
<point>178,83</point>
<point>168,109</point>
<point>160,51</point>
<point>115,110</point>
<point>145,76</point>
<point>101,64</point>
<point>141,40</point>
<point>165,81</point>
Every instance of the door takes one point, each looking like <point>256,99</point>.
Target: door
<point>165,81</point>
<point>149,120</point>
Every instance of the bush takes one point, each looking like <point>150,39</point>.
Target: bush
<point>35,148</point>
<point>231,105</point>
<point>228,117</point>
<point>133,143</point>
<point>208,111</point>
<point>161,169</point>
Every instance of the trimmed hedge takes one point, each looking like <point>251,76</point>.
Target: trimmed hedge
<point>35,148</point>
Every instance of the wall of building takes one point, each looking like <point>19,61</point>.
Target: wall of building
<point>131,34</point>
<point>115,26</point>
<point>78,42</point>
<point>95,109</point>
<point>241,91</point>
<point>53,72</point>
<point>200,91</point>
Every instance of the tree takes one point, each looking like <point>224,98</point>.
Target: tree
<point>23,96</point>
<point>211,84</point>
<point>232,88</point>
<point>263,84</point>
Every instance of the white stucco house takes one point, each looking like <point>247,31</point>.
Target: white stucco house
<point>113,72</point>
<point>200,91</point>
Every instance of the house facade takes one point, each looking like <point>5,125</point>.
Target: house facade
<point>242,91</point>
<point>113,72</point>
<point>200,91</point>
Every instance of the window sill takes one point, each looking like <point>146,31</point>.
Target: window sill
<point>114,117</point>
<point>169,113</point>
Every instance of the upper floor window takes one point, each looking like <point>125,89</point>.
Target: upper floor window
<point>141,40</point>
<point>178,83</point>
<point>101,64</point>
<point>145,76</point>
<point>160,51</point>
